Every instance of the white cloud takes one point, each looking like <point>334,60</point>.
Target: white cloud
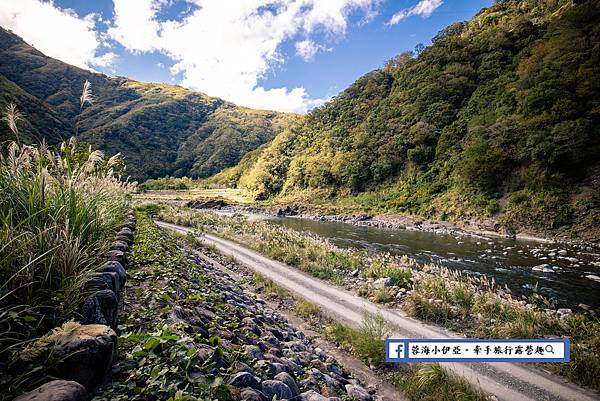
<point>105,60</point>
<point>224,48</point>
<point>58,33</point>
<point>307,49</point>
<point>134,24</point>
<point>424,8</point>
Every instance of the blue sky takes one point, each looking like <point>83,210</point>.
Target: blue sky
<point>287,55</point>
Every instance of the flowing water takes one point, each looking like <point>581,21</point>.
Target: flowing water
<point>508,261</point>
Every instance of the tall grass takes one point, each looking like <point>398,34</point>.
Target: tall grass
<point>59,211</point>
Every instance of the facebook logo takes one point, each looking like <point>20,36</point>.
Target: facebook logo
<point>395,349</point>
<point>477,350</point>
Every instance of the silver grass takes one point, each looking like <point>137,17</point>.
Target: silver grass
<point>86,95</point>
<point>12,117</point>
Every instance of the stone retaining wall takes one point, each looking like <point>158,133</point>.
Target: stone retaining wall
<point>87,350</point>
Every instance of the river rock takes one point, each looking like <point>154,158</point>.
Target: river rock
<point>249,394</point>
<point>117,256</point>
<point>101,281</point>
<point>312,395</point>
<point>245,379</point>
<point>289,381</point>
<point>56,390</point>
<point>119,245</point>
<point>100,308</point>
<point>544,268</point>
<point>125,238</point>
<point>85,352</point>
<point>275,389</point>
<point>118,269</point>
<point>357,393</point>
<point>593,277</point>
<point>383,282</point>
<point>253,351</point>
<point>208,204</point>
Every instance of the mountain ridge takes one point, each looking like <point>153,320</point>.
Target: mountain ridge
<point>160,129</point>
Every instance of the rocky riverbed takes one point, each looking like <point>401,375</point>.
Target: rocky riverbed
<point>188,330</point>
<point>472,228</point>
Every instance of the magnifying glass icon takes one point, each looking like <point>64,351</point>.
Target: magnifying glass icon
<point>549,349</point>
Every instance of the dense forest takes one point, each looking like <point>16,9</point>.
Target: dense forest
<point>499,118</point>
<point>159,129</point>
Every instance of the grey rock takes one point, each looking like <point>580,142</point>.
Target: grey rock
<point>117,256</point>
<point>289,381</point>
<point>249,394</point>
<point>101,281</point>
<point>118,269</point>
<point>357,393</point>
<point>100,308</point>
<point>86,353</point>
<point>593,277</point>
<point>242,367</point>
<point>56,390</point>
<point>245,379</point>
<point>312,395</point>
<point>383,282</point>
<point>120,246</point>
<point>253,351</point>
<point>125,238</point>
<point>276,389</point>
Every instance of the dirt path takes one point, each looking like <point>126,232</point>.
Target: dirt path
<point>507,381</point>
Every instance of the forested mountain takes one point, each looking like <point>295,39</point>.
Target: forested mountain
<point>159,129</point>
<point>499,117</point>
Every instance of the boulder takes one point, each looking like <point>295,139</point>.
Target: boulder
<point>100,308</point>
<point>312,395</point>
<point>383,282</point>
<point>119,245</point>
<point>289,381</point>
<point>249,394</point>
<point>206,204</point>
<point>125,238</point>
<point>357,393</point>
<point>117,256</point>
<point>101,281</point>
<point>593,277</point>
<point>56,390</point>
<point>83,353</point>
<point>253,352</point>
<point>130,224</point>
<point>117,268</point>
<point>245,379</point>
<point>275,389</point>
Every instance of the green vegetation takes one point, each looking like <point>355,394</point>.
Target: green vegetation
<point>268,287</point>
<point>498,118</point>
<point>167,183</point>
<point>306,309</point>
<point>418,382</point>
<point>430,382</point>
<point>159,129</point>
<point>59,211</point>
<point>161,357</point>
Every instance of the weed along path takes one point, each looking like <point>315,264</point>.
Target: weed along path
<point>507,381</point>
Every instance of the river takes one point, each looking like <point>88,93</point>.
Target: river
<point>508,261</point>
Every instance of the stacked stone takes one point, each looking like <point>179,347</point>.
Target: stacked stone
<point>87,352</point>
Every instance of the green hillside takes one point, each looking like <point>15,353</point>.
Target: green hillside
<point>159,129</point>
<point>498,118</point>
